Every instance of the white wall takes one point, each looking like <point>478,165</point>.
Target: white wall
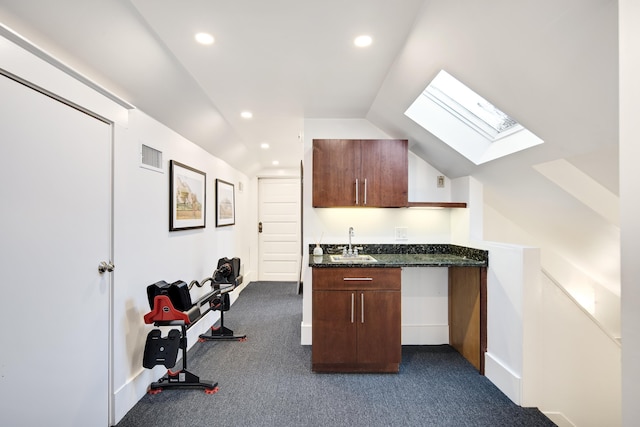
<point>579,367</point>
<point>513,295</point>
<point>425,306</point>
<point>543,349</point>
<point>595,297</point>
<point>629,16</point>
<point>423,182</point>
<point>467,224</point>
<point>144,251</point>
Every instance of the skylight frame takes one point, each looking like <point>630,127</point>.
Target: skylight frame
<point>464,131</point>
<point>470,108</point>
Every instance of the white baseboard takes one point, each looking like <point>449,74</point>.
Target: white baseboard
<point>129,394</point>
<point>247,277</point>
<point>510,384</point>
<point>425,334</point>
<point>305,334</point>
<point>504,378</point>
<point>559,419</point>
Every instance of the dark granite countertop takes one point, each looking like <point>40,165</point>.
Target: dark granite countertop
<point>438,255</point>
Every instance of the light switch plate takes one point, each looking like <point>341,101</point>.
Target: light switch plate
<point>402,233</point>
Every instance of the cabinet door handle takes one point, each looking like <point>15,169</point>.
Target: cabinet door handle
<point>353,301</point>
<point>361,308</point>
<point>365,191</point>
<point>357,279</point>
<point>356,191</point>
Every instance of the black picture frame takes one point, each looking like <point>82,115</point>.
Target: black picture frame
<point>187,197</point>
<point>225,203</point>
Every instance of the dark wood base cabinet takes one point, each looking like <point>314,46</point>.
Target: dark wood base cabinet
<point>356,320</point>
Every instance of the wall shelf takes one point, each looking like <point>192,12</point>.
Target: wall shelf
<point>436,204</point>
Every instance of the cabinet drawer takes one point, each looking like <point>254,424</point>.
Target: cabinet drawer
<point>356,278</point>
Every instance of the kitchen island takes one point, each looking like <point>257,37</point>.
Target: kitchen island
<point>356,304</point>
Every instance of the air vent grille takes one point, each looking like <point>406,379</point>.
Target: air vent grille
<point>150,158</point>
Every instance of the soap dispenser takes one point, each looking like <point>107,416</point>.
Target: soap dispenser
<point>317,251</point>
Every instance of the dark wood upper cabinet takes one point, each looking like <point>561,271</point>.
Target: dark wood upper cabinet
<point>360,172</point>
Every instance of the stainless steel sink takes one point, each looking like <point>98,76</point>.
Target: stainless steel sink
<point>353,258</point>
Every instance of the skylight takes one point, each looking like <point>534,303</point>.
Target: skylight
<point>467,122</point>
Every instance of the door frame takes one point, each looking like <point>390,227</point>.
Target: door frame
<point>109,279</point>
<point>300,218</point>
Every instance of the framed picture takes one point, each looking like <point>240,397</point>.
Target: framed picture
<point>187,193</point>
<point>225,203</point>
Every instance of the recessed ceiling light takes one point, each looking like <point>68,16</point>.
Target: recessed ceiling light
<point>363,41</point>
<point>264,145</point>
<point>246,114</point>
<point>275,163</point>
<point>204,38</point>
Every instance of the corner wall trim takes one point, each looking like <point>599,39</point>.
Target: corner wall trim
<point>506,380</point>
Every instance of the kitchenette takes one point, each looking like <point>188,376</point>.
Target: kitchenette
<point>357,302</point>
<point>385,272</point>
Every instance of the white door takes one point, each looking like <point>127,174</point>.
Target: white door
<point>55,229</point>
<point>279,240</point>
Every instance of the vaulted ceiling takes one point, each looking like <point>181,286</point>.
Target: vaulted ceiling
<point>552,65</point>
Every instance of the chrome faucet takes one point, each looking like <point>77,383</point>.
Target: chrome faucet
<point>350,251</point>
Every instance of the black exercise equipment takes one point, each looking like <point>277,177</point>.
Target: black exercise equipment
<point>164,300</point>
<point>178,293</point>
<point>224,279</point>
<point>171,305</point>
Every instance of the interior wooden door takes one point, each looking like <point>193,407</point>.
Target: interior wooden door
<point>279,229</point>
<point>55,169</point>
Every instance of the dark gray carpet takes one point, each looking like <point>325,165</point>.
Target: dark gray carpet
<point>267,381</point>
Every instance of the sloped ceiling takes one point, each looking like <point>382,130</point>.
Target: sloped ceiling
<point>552,65</point>
<point>284,60</point>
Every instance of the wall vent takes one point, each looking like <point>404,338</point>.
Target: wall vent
<point>150,158</point>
